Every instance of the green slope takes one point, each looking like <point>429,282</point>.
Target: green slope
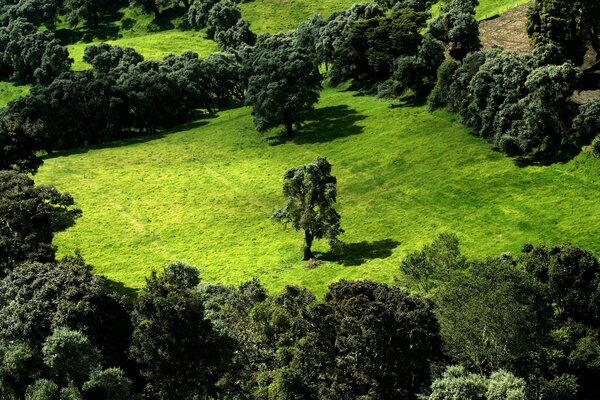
<point>204,194</point>
<point>9,91</point>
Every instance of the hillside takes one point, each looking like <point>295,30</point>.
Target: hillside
<point>204,194</point>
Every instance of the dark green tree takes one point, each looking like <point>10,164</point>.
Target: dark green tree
<point>371,46</point>
<point>70,356</point>
<point>284,83</point>
<point>223,16</point>
<point>384,344</point>
<point>36,299</point>
<point>199,11</point>
<point>571,25</point>
<point>30,216</point>
<point>173,343</point>
<point>19,144</point>
<point>311,194</point>
<point>493,316</point>
<point>30,56</point>
<point>457,27</point>
<point>434,264</point>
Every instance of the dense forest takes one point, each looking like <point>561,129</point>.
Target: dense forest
<point>514,326</point>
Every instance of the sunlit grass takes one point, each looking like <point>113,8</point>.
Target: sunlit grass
<point>9,91</point>
<point>204,192</point>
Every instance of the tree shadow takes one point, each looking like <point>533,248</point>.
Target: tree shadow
<point>128,141</point>
<point>106,29</point>
<point>355,254</point>
<point>129,294</point>
<point>324,125</point>
<point>566,153</point>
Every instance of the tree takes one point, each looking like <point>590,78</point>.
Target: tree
<point>371,46</point>
<point>457,383</point>
<point>434,264</point>
<point>493,316</point>
<point>153,6</point>
<point>457,27</point>
<point>19,144</point>
<point>223,16</point>
<point>31,56</point>
<point>418,72</point>
<point>70,356</point>
<point>310,192</point>
<point>173,343</point>
<point>89,11</point>
<point>199,11</point>
<point>30,216</point>
<point>36,299</point>
<point>571,25</point>
<point>384,344</point>
<point>284,83</point>
<point>339,24</point>
<point>36,12</point>
<point>235,36</point>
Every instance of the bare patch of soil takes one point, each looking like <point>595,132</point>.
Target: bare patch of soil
<point>507,30</point>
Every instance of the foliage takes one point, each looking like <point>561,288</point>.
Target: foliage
<point>172,342</point>
<point>493,316</point>
<point>419,72</point>
<point>457,27</point>
<point>439,96</point>
<point>520,103</point>
<point>394,334</point>
<point>199,12</point>
<point>433,264</point>
<point>30,216</point>
<point>311,194</point>
<point>36,299</point>
<point>19,144</point>
<point>284,83</point>
<point>70,356</point>
<point>371,46</point>
<point>31,56</point>
<point>457,383</point>
<point>570,25</point>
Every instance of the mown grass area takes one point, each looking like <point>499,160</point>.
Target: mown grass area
<point>204,193</point>
<point>9,91</point>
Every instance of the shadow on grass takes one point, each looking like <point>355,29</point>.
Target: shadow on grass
<point>324,125</point>
<point>565,154</point>
<point>129,141</point>
<point>120,289</point>
<point>355,254</point>
<point>106,29</point>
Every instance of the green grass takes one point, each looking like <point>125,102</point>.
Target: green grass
<point>204,193</point>
<point>153,46</point>
<point>271,16</point>
<point>9,91</point>
<point>491,8</point>
<point>129,27</point>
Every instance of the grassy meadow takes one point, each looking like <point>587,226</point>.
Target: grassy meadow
<point>9,91</point>
<point>204,194</point>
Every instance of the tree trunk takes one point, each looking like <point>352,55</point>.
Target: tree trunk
<point>308,239</point>
<point>289,129</point>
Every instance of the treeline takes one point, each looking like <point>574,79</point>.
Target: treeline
<point>507,327</point>
<point>522,104</point>
<point>120,96</point>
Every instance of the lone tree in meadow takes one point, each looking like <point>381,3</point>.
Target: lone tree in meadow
<point>284,82</point>
<point>311,194</point>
